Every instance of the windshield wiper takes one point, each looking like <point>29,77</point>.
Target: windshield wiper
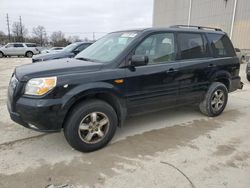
<point>84,59</point>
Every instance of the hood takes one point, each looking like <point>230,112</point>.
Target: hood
<point>52,55</point>
<point>55,68</point>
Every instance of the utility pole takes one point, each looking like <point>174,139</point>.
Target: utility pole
<point>21,28</point>
<point>189,12</point>
<point>8,25</point>
<point>233,18</point>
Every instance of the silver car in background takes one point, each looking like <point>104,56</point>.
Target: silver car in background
<point>19,49</point>
<point>53,49</point>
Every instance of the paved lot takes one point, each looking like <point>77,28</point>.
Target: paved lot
<point>171,148</point>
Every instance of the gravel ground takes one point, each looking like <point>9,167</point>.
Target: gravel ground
<point>171,148</point>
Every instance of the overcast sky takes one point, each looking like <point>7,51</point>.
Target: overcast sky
<point>78,17</point>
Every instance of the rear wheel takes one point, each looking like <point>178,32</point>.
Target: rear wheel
<point>1,55</point>
<point>29,54</point>
<point>91,125</point>
<point>215,100</point>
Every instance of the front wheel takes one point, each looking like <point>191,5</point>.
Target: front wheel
<point>215,100</point>
<point>91,125</point>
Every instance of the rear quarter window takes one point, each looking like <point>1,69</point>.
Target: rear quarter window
<point>221,45</point>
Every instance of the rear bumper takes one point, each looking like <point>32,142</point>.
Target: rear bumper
<point>235,84</point>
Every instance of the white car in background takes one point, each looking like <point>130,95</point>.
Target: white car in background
<point>54,49</point>
<point>19,49</point>
<point>240,55</point>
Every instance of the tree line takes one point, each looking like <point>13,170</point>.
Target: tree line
<point>19,33</point>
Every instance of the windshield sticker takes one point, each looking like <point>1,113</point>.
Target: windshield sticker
<point>130,35</point>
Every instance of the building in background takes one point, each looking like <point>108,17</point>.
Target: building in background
<point>232,16</point>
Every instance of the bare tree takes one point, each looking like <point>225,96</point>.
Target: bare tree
<point>39,34</point>
<point>86,39</point>
<point>74,38</point>
<point>58,39</point>
<point>3,38</point>
<point>19,31</point>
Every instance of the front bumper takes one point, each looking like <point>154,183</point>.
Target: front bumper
<point>40,115</point>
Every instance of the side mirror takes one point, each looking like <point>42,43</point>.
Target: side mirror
<point>138,60</point>
<point>237,49</point>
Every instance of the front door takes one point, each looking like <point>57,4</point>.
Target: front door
<point>153,86</point>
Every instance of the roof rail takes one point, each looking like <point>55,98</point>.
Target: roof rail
<point>195,26</point>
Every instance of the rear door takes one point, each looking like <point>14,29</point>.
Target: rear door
<point>153,86</point>
<point>195,66</point>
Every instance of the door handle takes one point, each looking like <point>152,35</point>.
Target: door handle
<point>211,65</point>
<point>171,70</point>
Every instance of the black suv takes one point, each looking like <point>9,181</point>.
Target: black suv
<point>125,73</point>
<point>68,52</point>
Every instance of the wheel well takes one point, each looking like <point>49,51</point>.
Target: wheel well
<point>225,81</point>
<point>28,51</point>
<point>111,99</point>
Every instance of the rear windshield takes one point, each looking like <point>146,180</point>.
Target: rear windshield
<point>221,45</point>
<point>31,45</point>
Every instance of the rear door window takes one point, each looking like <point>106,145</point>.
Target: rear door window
<point>192,45</point>
<point>221,45</point>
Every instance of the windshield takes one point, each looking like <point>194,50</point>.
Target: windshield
<point>108,47</point>
<point>70,47</point>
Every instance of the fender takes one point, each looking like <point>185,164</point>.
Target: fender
<point>90,89</point>
<point>220,75</point>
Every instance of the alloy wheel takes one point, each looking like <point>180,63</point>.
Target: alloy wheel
<point>218,100</point>
<point>93,127</point>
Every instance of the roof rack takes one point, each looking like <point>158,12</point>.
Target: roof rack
<point>195,26</point>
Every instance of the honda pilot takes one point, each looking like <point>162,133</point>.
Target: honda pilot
<point>122,74</point>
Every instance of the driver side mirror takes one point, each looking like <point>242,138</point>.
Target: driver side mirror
<point>138,60</point>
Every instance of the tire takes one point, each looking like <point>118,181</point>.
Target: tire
<point>1,55</point>
<point>29,54</point>
<point>78,136</point>
<point>215,100</point>
<point>248,78</point>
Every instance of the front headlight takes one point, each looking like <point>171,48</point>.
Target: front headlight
<point>40,86</point>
